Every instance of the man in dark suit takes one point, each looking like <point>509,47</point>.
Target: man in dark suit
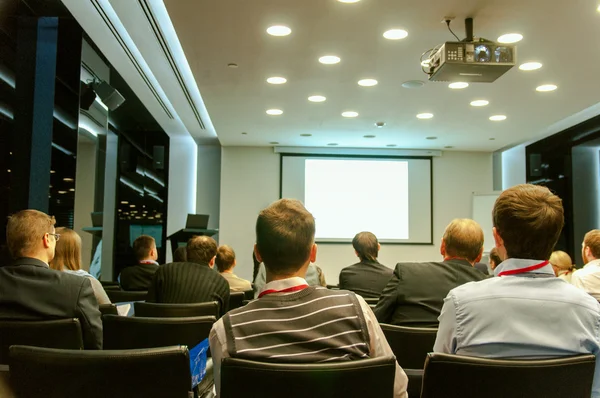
<point>194,281</point>
<point>415,294</point>
<point>368,277</point>
<point>139,276</point>
<point>30,290</point>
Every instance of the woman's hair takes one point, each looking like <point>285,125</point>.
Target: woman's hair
<point>68,251</point>
<point>561,260</point>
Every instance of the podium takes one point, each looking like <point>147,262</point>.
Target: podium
<point>183,235</point>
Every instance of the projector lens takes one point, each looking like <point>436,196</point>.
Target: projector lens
<point>483,53</point>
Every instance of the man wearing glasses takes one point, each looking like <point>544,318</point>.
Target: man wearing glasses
<point>30,290</point>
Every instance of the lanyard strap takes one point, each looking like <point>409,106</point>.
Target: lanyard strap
<point>147,262</point>
<point>288,290</point>
<point>523,270</point>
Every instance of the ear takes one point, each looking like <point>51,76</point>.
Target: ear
<point>257,254</point>
<point>211,263</point>
<point>497,238</point>
<point>355,252</point>
<point>478,259</point>
<point>46,240</point>
<point>378,247</point>
<point>443,248</point>
<point>313,253</point>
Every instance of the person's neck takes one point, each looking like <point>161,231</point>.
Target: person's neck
<point>39,256</point>
<point>147,260</point>
<point>301,273</point>
<point>590,259</point>
<point>228,271</point>
<point>447,258</point>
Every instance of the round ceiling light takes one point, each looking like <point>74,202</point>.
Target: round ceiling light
<point>348,1</point>
<point>349,114</point>
<point>367,82</point>
<point>413,84</point>
<point>425,115</point>
<point>276,80</point>
<point>546,87</point>
<point>497,118</point>
<point>329,59</point>
<point>279,30</point>
<point>530,66</point>
<point>510,38</point>
<point>274,112</point>
<point>395,34</point>
<point>480,103</point>
<point>316,98</point>
<point>458,85</point>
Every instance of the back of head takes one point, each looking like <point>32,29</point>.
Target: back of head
<point>68,250</point>
<point>180,255</point>
<point>529,219</point>
<point>143,246</point>
<point>592,240</point>
<point>25,231</point>
<point>366,245</point>
<point>201,249</point>
<point>494,257</point>
<point>285,234</point>
<point>225,258</point>
<point>561,260</point>
<point>463,239</point>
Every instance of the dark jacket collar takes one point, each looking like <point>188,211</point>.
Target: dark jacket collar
<point>368,262</point>
<point>457,262</point>
<point>29,261</point>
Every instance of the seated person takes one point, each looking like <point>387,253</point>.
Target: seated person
<point>298,323</point>
<point>588,277</point>
<point>31,291</point>
<point>138,277</point>
<point>368,277</point>
<point>526,312</point>
<point>180,256</point>
<point>415,294</point>
<point>225,263</point>
<point>562,265</point>
<point>314,277</point>
<point>194,281</point>
<point>67,258</point>
<point>495,259</point>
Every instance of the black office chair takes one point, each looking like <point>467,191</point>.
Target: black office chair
<point>59,333</point>
<point>236,299</point>
<point>249,295</point>
<point>148,373</point>
<point>110,284</point>
<point>111,287</point>
<point>108,309</point>
<point>122,333</point>
<point>372,301</point>
<point>453,376</point>
<point>373,378</point>
<point>410,346</point>
<point>162,310</point>
<point>120,296</point>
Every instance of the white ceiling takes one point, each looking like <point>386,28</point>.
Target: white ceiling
<point>563,35</point>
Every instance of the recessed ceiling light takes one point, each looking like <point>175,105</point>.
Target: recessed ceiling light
<point>349,114</point>
<point>369,136</point>
<point>480,103</point>
<point>497,118</point>
<point>391,145</point>
<point>598,9</point>
<point>274,143</point>
<point>244,133</point>
<point>72,189</point>
<point>124,202</point>
<point>530,66</point>
<point>329,59</point>
<point>395,34</point>
<point>367,82</point>
<point>348,1</point>
<point>333,144</point>
<point>274,112</point>
<point>305,135</point>
<point>458,85</point>
<point>425,115</point>
<point>316,98</point>
<point>62,192</point>
<point>276,80</point>
<point>68,179</point>
<point>546,87</point>
<point>431,138</point>
<point>510,38</point>
<point>232,65</point>
<point>279,30</point>
<point>413,84</point>
<point>492,139</point>
<point>52,171</point>
<point>132,206</point>
<point>448,147</point>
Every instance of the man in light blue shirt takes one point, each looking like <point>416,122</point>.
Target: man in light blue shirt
<point>526,312</point>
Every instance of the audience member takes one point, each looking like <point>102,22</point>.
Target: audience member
<point>527,312</point>
<point>562,265</point>
<point>290,321</point>
<point>180,255</point>
<point>415,294</point>
<point>67,258</point>
<point>138,277</point>
<point>367,277</point>
<point>256,265</point>
<point>194,281</point>
<point>30,290</point>
<point>314,277</point>
<point>482,267</point>
<point>495,259</point>
<point>225,263</point>
<point>588,278</point>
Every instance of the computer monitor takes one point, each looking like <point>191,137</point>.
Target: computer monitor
<point>196,221</point>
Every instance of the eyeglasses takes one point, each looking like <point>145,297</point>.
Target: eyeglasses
<point>56,236</point>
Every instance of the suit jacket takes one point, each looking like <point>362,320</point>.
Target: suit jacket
<point>415,294</point>
<point>482,267</point>
<point>29,290</point>
<point>137,277</point>
<point>367,278</point>
<point>189,283</point>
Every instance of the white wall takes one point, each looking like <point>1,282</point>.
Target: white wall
<point>85,188</point>
<point>209,183</point>
<point>250,182</point>
<point>514,166</point>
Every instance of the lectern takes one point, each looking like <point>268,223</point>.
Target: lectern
<point>195,225</point>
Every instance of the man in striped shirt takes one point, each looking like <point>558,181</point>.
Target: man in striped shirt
<point>291,322</point>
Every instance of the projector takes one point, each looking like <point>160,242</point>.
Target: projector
<point>471,62</point>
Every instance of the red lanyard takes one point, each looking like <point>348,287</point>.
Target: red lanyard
<point>523,270</point>
<point>289,289</point>
<point>147,262</point>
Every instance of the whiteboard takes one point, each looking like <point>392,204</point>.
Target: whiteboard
<point>483,203</point>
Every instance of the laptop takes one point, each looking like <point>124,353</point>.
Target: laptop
<point>197,221</point>
<point>97,218</point>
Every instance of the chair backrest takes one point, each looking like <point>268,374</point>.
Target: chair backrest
<point>108,309</point>
<point>106,284</point>
<point>236,299</point>
<point>249,294</point>
<point>372,301</point>
<point>122,333</point>
<point>163,310</point>
<point>59,333</point>
<point>373,378</point>
<point>453,376</point>
<point>52,373</point>
<point>120,296</point>
<point>410,345</point>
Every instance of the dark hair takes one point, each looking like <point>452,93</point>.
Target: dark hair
<point>366,245</point>
<point>529,219</point>
<point>464,239</point>
<point>225,258</point>
<point>495,257</point>
<point>25,231</point>
<point>142,246</point>
<point>201,249</point>
<point>180,255</point>
<point>285,234</point>
<point>592,240</point>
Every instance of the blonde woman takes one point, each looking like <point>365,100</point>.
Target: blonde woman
<point>67,258</point>
<point>562,265</point>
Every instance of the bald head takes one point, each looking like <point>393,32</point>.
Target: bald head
<point>463,239</point>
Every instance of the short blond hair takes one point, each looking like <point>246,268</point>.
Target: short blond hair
<point>464,239</point>
<point>225,258</point>
<point>25,231</point>
<point>561,260</point>
<point>592,240</point>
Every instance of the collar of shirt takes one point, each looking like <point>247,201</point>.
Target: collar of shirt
<point>514,266</point>
<point>148,262</point>
<point>593,264</point>
<point>283,284</point>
